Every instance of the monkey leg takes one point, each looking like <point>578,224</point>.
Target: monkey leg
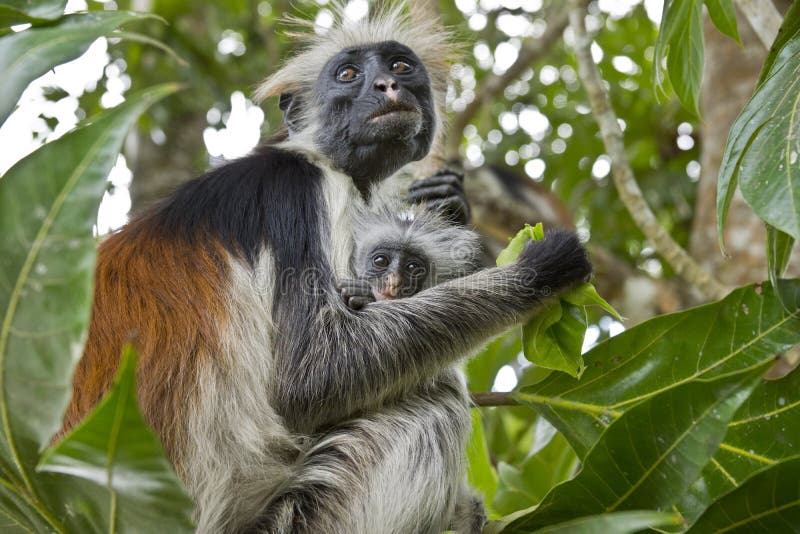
<point>397,470</point>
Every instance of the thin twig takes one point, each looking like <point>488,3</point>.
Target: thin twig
<point>624,180</point>
<point>494,84</point>
<point>485,399</point>
<point>763,18</point>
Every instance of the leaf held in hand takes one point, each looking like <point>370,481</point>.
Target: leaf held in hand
<point>554,337</point>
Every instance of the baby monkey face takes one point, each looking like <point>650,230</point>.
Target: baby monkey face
<point>395,272</point>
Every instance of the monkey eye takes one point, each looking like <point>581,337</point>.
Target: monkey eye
<point>381,261</point>
<point>347,73</point>
<point>414,268</point>
<point>400,66</point>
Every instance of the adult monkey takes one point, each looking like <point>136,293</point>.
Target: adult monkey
<point>282,409</point>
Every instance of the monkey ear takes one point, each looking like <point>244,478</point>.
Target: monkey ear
<point>291,108</point>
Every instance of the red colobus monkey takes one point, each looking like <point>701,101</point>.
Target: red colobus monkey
<point>282,409</point>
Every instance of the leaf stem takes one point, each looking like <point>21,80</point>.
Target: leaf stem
<point>531,398</point>
<point>484,399</point>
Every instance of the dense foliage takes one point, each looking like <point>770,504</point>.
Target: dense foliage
<point>668,424</point>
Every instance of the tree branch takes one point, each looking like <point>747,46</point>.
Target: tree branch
<point>763,17</point>
<point>624,180</point>
<point>484,399</point>
<point>494,84</point>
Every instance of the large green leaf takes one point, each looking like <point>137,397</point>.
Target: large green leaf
<point>762,433</point>
<point>788,30</point>
<point>48,205</point>
<point>739,332</point>
<point>114,449</point>
<point>762,155</point>
<point>615,523</point>
<point>680,39</point>
<point>26,55</point>
<point>767,502</point>
<point>651,455</point>
<point>19,11</point>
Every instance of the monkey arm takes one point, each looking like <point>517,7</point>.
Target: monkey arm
<point>354,361</point>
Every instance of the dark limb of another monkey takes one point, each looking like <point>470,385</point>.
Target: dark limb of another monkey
<point>345,363</point>
<point>355,292</point>
<point>444,192</point>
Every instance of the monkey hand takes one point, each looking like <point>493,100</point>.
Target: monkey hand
<point>444,192</point>
<point>554,263</point>
<point>356,293</point>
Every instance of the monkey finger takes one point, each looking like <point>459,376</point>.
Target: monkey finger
<point>353,287</point>
<point>447,179</point>
<point>434,193</point>
<point>358,303</point>
<point>448,171</point>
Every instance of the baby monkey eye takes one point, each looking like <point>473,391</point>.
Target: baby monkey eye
<point>414,267</point>
<point>401,67</point>
<point>381,261</point>
<point>347,73</point>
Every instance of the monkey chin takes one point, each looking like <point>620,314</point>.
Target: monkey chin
<point>395,125</point>
<point>383,295</point>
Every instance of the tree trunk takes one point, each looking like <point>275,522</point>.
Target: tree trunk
<point>729,78</point>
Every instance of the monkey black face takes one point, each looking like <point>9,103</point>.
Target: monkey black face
<point>377,111</point>
<point>395,272</point>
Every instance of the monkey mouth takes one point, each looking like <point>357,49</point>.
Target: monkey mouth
<point>393,109</point>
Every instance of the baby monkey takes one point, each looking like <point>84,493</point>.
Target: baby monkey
<point>399,252</point>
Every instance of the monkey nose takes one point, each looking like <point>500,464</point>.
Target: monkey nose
<point>391,288</point>
<point>388,86</point>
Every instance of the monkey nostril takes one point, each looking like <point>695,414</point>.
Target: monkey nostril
<point>386,85</point>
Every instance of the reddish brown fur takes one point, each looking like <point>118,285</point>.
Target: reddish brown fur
<point>167,296</point>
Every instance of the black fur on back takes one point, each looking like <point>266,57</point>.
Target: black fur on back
<point>271,198</point>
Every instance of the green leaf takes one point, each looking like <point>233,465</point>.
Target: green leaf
<point>779,252</point>
<point>26,55</point>
<point>586,295</point>
<point>480,472</point>
<point>553,338</point>
<point>114,449</point>
<point>481,370</point>
<point>723,15</point>
<point>615,523</point>
<point>650,456</point>
<point>762,155</point>
<point>739,332</point>
<point>48,205</point>
<point>525,485</point>
<point>767,502</point>
<point>680,39</point>
<point>761,434</point>
<point>788,31</point>
<point>20,11</point>
<point>517,243</point>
